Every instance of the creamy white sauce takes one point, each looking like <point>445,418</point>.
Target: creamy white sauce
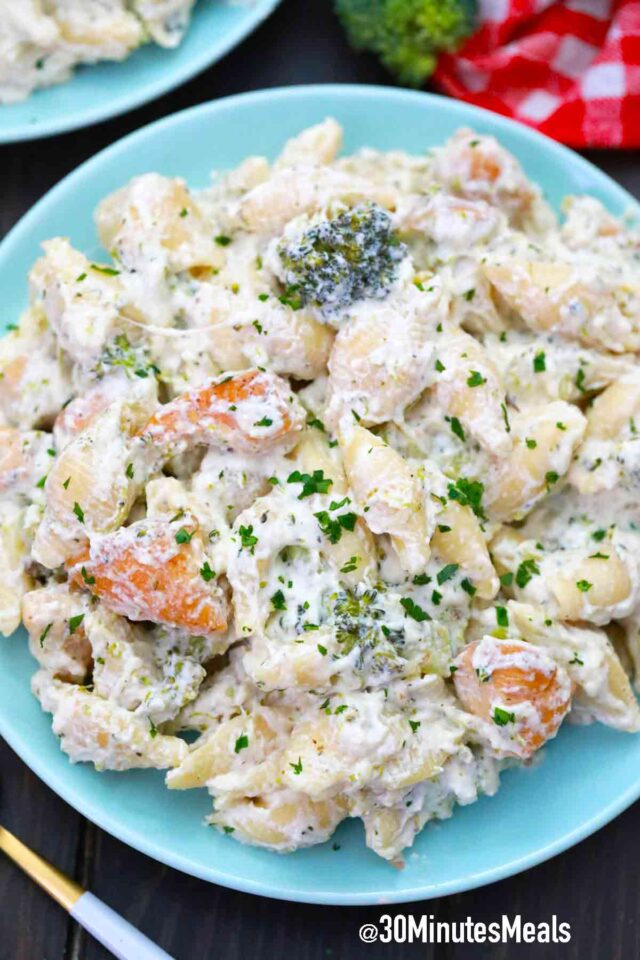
<point>210,535</point>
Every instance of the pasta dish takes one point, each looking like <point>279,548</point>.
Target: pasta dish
<point>320,492</point>
<point>42,41</point>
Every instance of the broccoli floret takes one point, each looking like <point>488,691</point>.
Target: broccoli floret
<point>356,620</point>
<point>360,623</point>
<point>339,261</point>
<point>121,353</point>
<point>407,35</point>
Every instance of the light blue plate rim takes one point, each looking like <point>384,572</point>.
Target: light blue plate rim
<point>82,800</point>
<point>176,73</point>
<point>431,891</point>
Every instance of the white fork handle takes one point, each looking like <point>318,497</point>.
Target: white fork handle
<point>113,931</point>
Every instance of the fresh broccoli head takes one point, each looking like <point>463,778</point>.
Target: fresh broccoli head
<point>407,35</point>
<point>339,261</point>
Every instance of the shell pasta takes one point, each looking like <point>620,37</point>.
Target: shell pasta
<point>319,490</point>
<point>43,41</point>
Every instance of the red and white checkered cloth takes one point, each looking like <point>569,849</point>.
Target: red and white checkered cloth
<point>571,68</point>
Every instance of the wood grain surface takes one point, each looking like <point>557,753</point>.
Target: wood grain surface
<point>594,886</point>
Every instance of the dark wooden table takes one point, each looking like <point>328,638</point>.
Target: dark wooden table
<point>594,886</point>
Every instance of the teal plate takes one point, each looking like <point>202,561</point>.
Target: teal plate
<point>588,774</point>
<point>98,92</point>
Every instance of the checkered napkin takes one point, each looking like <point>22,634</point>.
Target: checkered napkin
<point>571,68</point>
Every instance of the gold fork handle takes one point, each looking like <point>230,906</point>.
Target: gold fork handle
<point>65,891</point>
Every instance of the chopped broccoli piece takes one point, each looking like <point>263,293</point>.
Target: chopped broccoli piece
<point>339,261</point>
<point>358,622</point>
<point>133,359</point>
<point>407,35</point>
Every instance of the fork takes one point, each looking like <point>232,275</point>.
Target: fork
<point>108,927</point>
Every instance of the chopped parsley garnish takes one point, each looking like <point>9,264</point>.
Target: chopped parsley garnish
<point>503,717</point>
<point>468,587</point>
<point>129,471</point>
<point>241,743</point>
<point>457,428</point>
<point>183,536</point>
<point>447,573</point>
<point>41,482</point>
<point>531,444</point>
<point>502,616</point>
<point>580,380</point>
<point>421,578</point>
<point>598,556</point>
<point>247,538</point>
<point>66,483</point>
<point>598,535</point>
<point>475,379</point>
<point>506,579</point>
<point>413,610</point>
<point>74,622</point>
<point>86,578</point>
<point>551,477</point>
<point>332,526</point>
<point>296,767</point>
<point>526,570</point>
<point>443,528</point>
<point>539,362</point>
<point>414,724</point>
<point>79,512</point>
<point>436,597</point>
<point>265,422</point>
<point>505,417</point>
<point>583,586</point>
<point>153,730</point>
<point>278,601</point>
<point>576,660</point>
<point>440,367</point>
<point>108,271</point>
<point>222,240</point>
<point>350,565</point>
<point>206,572</point>
<point>469,295</point>
<point>44,634</point>
<point>317,424</point>
<point>468,493</point>
<point>311,483</point>
<point>322,650</point>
